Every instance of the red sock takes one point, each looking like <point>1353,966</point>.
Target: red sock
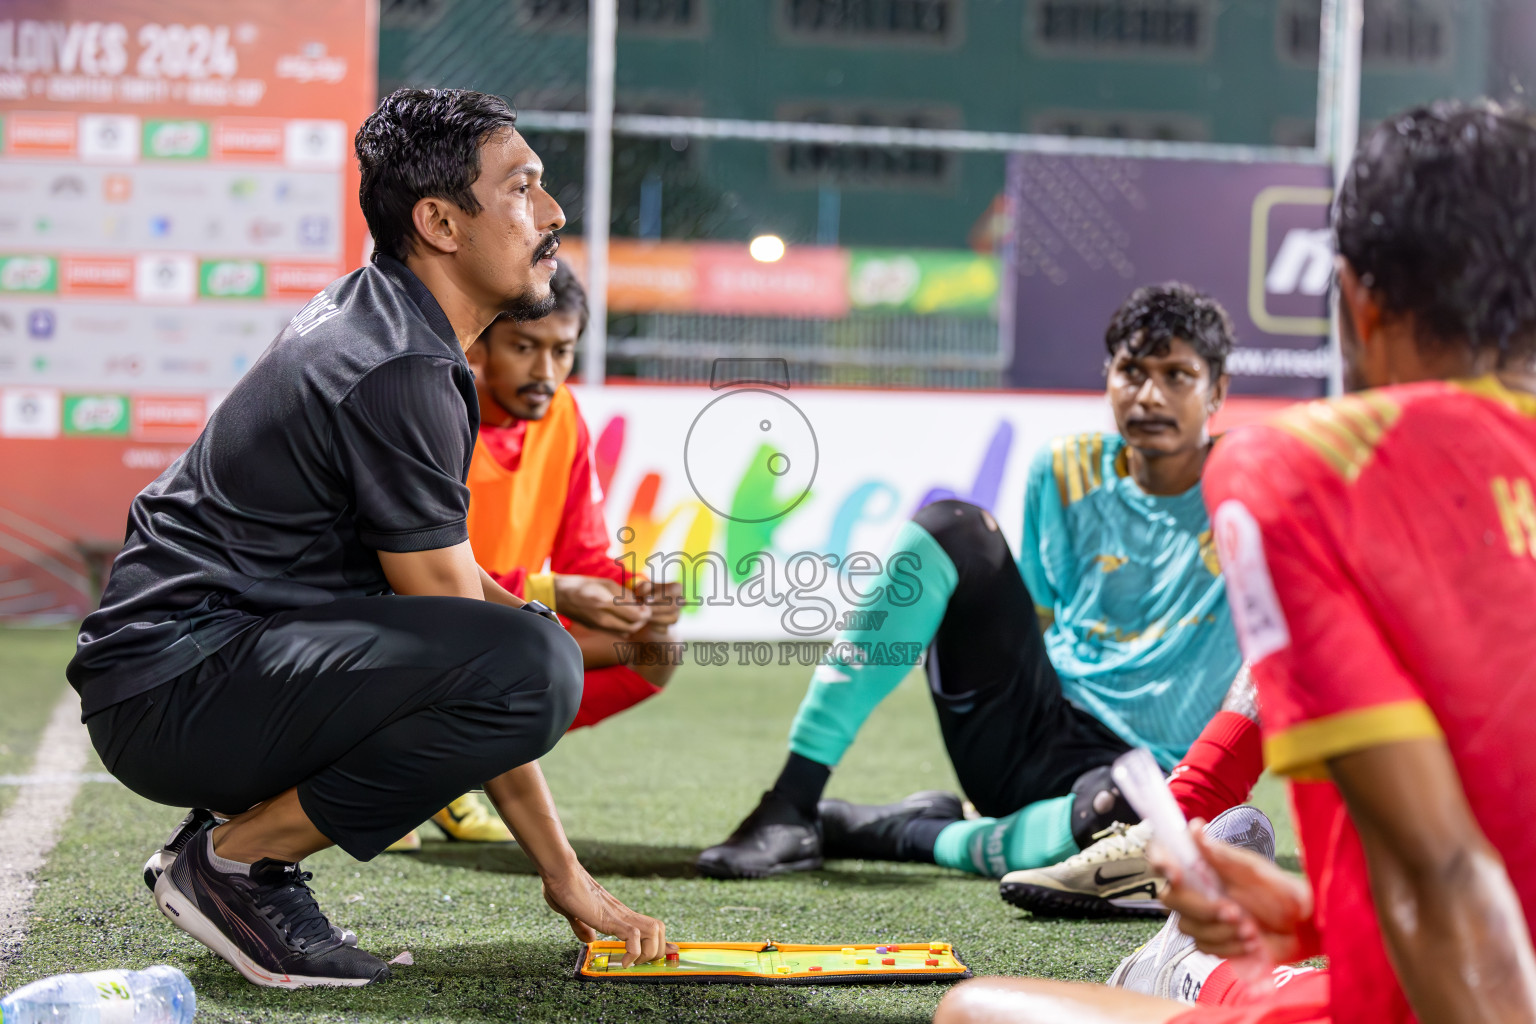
<point>1219,985</point>
<point>607,691</point>
<point>1221,767</point>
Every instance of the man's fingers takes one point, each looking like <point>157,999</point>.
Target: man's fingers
<point>632,949</point>
<point>1277,899</point>
<point>1233,863</point>
<point>650,945</point>
<point>584,931</point>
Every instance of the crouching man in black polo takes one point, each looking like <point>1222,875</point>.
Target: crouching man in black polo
<point>296,632</point>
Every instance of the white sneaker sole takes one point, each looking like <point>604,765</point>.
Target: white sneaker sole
<point>181,912</point>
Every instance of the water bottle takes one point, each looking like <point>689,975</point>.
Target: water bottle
<point>160,995</point>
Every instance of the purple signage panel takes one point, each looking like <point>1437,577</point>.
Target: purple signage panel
<point>1088,230</point>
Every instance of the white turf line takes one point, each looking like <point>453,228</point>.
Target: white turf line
<point>30,826</point>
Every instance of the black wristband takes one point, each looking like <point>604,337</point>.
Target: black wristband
<point>540,608</point>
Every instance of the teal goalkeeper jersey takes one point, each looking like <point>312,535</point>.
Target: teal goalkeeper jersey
<point>1129,594</point>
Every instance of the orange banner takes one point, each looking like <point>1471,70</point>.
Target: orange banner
<point>177,178</point>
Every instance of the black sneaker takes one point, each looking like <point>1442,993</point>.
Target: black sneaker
<point>196,820</point>
<point>266,924</point>
<point>874,832</point>
<point>773,839</point>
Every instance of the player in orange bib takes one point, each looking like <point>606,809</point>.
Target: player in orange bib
<point>536,524</point>
<point>1380,554</point>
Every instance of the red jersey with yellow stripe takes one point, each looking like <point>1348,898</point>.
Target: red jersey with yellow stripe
<point>533,500</point>
<point>1380,556</point>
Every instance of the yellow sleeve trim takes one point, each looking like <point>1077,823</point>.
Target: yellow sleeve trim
<point>1492,388</point>
<point>541,588</point>
<point>1077,464</point>
<point>1343,431</point>
<point>1302,750</point>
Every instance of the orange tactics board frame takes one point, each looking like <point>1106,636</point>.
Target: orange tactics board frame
<point>784,963</point>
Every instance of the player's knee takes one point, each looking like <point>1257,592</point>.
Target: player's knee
<point>563,675</point>
<point>963,530</point>
<point>1097,803</point>
<point>539,656</point>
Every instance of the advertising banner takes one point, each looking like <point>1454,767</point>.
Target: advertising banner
<point>176,180</point>
<point>924,281</point>
<point>1085,231</point>
<point>810,281</point>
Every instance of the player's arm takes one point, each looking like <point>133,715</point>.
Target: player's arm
<point>1452,922</point>
<point>520,795</point>
<point>1044,525</point>
<point>442,572</point>
<point>524,802</point>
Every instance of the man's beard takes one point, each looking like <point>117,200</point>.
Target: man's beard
<point>526,307</point>
<point>529,306</point>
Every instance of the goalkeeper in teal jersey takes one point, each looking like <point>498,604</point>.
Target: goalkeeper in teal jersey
<point>1110,630</point>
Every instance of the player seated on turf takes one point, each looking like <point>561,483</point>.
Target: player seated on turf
<point>534,502</point>
<point>1110,629</point>
<point>1381,553</point>
<point>295,631</point>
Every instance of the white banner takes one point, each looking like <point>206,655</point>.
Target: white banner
<point>701,480</point>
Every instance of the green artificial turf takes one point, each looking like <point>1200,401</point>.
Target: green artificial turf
<point>31,682</point>
<point>640,796</point>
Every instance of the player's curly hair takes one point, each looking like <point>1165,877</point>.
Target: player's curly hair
<point>423,142</point>
<point>1437,216</point>
<point>1154,315</point>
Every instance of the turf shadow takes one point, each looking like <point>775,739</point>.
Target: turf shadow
<point>640,860</point>
<point>627,860</point>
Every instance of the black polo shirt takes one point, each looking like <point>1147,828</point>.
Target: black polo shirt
<point>352,434</point>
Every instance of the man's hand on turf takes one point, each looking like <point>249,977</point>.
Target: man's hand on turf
<point>592,910</point>
<point>664,600</point>
<point>600,603</point>
<point>1259,920</point>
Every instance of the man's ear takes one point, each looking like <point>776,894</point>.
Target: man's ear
<point>1219,392</point>
<point>437,223</point>
<point>1364,312</point>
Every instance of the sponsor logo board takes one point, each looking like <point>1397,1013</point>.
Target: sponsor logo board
<point>96,415</point>
<point>40,135</point>
<point>97,275</point>
<point>315,145</point>
<point>176,140</point>
<point>29,412</point>
<point>37,275</point>
<point>166,277</point>
<point>109,138</point>
<point>232,279</point>
<point>298,280</point>
<point>168,417</point>
<point>248,139</point>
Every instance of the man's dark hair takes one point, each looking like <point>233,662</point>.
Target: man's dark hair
<point>1437,216</point>
<point>1156,314</point>
<point>423,142</point>
<point>570,296</point>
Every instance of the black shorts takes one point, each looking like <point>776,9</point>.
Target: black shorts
<point>1011,734</point>
<point>380,710</point>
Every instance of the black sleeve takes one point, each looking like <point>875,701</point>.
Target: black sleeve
<point>403,440</point>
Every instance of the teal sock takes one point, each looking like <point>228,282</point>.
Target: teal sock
<point>1039,835</point>
<point>864,665</point>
